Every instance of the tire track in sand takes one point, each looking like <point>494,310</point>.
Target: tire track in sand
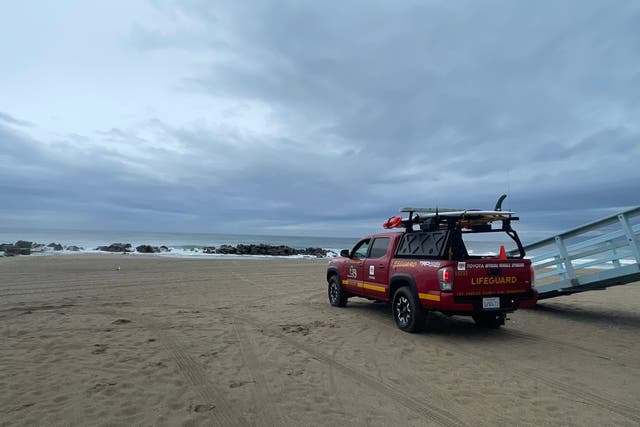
<point>593,398</point>
<point>333,386</point>
<point>222,413</point>
<point>559,344</point>
<point>614,406</point>
<point>434,414</point>
<point>266,409</point>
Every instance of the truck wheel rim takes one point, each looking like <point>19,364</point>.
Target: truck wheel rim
<point>403,311</point>
<point>333,292</point>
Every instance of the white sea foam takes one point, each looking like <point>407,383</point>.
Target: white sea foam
<point>179,253</point>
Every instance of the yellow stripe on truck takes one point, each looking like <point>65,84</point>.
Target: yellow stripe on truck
<point>359,284</point>
<point>429,297</point>
<point>374,288</point>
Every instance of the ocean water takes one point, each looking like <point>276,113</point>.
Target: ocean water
<point>181,244</point>
<point>190,244</point>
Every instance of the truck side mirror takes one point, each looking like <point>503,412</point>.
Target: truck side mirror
<point>344,253</point>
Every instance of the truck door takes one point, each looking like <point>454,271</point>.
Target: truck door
<point>376,268</point>
<point>353,277</point>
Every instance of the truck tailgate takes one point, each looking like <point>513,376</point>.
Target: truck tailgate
<point>492,277</point>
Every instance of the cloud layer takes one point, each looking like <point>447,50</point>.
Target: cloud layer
<point>299,118</point>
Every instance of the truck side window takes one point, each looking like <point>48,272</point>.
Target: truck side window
<point>361,249</point>
<point>423,244</point>
<point>379,247</point>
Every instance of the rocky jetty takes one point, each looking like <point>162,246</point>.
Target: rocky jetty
<point>116,247</point>
<point>148,249</point>
<point>225,250</point>
<point>263,249</point>
<point>23,247</point>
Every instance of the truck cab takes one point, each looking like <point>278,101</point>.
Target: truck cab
<point>429,266</point>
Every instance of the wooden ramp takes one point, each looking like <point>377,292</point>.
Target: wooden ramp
<point>595,256</point>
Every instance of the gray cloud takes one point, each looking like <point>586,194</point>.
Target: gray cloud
<point>368,107</point>
<point>7,119</point>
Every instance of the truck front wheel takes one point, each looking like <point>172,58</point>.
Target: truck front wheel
<point>407,311</point>
<point>337,296</point>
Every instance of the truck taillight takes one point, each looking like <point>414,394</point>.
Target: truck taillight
<point>533,276</point>
<point>445,277</point>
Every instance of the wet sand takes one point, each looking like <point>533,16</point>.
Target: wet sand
<point>167,341</point>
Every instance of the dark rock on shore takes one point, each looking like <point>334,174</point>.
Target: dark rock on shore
<point>263,249</point>
<point>14,250</point>
<point>147,249</point>
<point>23,244</point>
<point>319,252</point>
<point>21,247</point>
<point>73,248</point>
<point>6,248</point>
<point>116,247</point>
<point>226,250</point>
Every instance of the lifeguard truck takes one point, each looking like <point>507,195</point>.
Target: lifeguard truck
<point>426,267</point>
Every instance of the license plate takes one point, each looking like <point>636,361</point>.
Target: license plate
<point>490,303</point>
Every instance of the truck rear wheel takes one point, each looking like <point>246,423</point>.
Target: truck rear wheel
<point>407,311</point>
<point>337,296</point>
<point>489,320</point>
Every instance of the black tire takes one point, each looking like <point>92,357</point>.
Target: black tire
<point>489,320</point>
<point>407,310</point>
<point>337,295</point>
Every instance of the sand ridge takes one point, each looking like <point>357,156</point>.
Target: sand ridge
<point>254,342</point>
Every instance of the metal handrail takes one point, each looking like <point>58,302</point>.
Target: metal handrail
<point>610,259</point>
<point>629,213</point>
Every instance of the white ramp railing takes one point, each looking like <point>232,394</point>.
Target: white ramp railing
<point>597,255</point>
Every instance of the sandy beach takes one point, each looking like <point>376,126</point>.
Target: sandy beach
<point>167,341</point>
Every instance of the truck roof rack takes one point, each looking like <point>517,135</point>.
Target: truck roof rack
<point>470,219</point>
<point>458,221</point>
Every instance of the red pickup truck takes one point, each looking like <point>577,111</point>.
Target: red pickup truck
<point>429,268</point>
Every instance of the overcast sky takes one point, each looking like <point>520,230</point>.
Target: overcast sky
<point>315,118</point>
